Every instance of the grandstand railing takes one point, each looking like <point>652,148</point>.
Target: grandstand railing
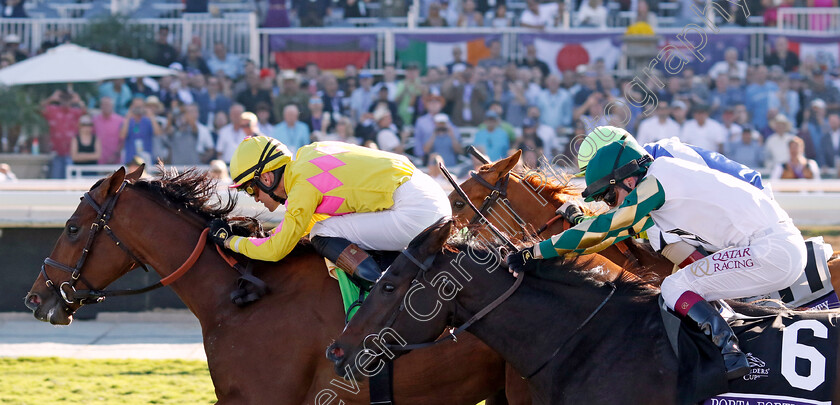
<point>237,30</point>
<point>809,19</point>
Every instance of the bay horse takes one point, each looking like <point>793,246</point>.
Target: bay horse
<point>528,200</point>
<point>270,352</point>
<point>578,340</point>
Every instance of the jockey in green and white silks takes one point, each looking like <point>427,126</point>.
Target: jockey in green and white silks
<point>761,249</point>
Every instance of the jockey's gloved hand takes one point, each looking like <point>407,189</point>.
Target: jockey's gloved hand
<point>220,231</point>
<point>571,212</point>
<point>522,260</point>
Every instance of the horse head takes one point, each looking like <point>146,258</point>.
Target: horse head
<point>408,304</point>
<point>79,245</point>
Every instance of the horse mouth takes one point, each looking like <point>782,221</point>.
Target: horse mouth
<point>51,311</point>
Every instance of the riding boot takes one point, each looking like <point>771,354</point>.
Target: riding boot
<point>350,258</point>
<point>709,321</point>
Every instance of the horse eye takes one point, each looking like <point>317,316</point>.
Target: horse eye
<point>459,204</point>
<point>388,288</point>
<point>72,229</point>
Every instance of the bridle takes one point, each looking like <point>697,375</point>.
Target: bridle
<point>67,289</point>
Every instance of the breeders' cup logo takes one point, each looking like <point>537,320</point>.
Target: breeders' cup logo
<point>758,368</point>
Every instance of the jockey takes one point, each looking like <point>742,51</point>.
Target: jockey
<point>761,251</point>
<point>681,250</point>
<point>348,198</point>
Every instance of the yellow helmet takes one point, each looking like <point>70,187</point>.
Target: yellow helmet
<point>256,155</point>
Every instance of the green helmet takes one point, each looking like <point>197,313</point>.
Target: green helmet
<point>597,139</point>
<point>612,164</point>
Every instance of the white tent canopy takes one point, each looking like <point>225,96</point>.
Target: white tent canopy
<point>70,63</point>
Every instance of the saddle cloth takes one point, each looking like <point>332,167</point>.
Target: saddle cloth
<point>792,359</point>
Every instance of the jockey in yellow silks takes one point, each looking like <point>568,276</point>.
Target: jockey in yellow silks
<point>346,197</point>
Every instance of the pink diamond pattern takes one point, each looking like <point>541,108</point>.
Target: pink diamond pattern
<point>324,182</point>
<point>327,162</point>
<point>258,241</point>
<point>329,205</point>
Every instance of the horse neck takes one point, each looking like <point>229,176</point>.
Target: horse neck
<point>532,204</point>
<point>164,238</point>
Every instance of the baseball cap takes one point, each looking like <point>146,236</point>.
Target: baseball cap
<point>441,117</point>
<point>679,104</point>
<point>527,123</point>
<point>491,115</point>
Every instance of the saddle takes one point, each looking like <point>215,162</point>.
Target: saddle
<point>792,356</point>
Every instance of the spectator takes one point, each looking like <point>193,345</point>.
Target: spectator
<point>165,54</point>
<point>466,97</point>
<point>231,134</point>
<point>531,17</point>
<point>825,90</point>
<point>729,66</point>
<point>495,59</point>
<point>555,13</point>
<point>786,100</point>
<point>470,17</point>
<point>318,121</point>
<point>449,10</point>
<point>193,62</point>
<point>106,126</point>
<point>679,111</point>
<point>12,47</point>
<point>408,92</point>
<point>434,172</point>
<point>782,56</point>
<point>138,130</point>
<point>219,171</point>
<point>814,128</point>
<point>343,132</point>
<point>724,96</point>
<point>386,133</point>
<point>500,17</point>
<point>219,122</point>
<point>733,130</point>
<point>776,149</point>
<point>645,15</point>
<point>250,124</point>
<point>62,111</point>
<point>659,127</point>
<point>532,61</point>
<point>829,148</point>
<point>588,85</point>
<point>492,139</point>
<point>435,133</point>
<point>485,6</point>
<point>591,13</point>
<point>221,62</point>
<point>362,97</point>
<point>191,143</point>
<point>382,101</point>
<point>166,121</point>
<point>703,131</point>
<point>389,81</point>
<point>356,9</point>
<point>263,113</point>
<point>458,63</point>
<point>312,12</point>
<point>12,9</point>
<point>291,131</point>
<point>332,98</point>
<point>6,173</point>
<point>291,94</point>
<point>747,150</point>
<point>798,166</point>
<point>85,148</point>
<point>548,135</point>
<point>118,92</point>
<point>253,94</point>
<point>530,141</point>
<point>434,19</point>
<point>757,98</point>
<point>555,104</point>
<point>277,15</point>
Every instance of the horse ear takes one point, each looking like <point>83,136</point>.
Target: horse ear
<point>503,166</point>
<point>136,174</point>
<point>439,235</point>
<point>111,183</point>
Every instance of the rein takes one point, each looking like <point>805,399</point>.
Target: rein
<point>67,289</point>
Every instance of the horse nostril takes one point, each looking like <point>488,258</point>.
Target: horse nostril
<point>33,301</point>
<point>335,352</point>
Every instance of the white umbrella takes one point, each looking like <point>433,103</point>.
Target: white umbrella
<point>70,63</point>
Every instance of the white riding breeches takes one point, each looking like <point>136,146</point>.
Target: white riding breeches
<point>418,203</point>
<point>774,259</point>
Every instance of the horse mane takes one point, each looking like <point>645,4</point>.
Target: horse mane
<point>193,189</point>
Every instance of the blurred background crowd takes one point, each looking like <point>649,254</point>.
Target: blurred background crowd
<point>780,114</point>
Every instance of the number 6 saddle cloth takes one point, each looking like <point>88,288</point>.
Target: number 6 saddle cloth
<point>792,356</point>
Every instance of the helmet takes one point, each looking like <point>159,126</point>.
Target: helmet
<point>612,164</point>
<point>597,139</point>
<point>255,155</point>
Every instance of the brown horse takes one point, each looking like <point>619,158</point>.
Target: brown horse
<point>271,352</point>
<point>533,197</point>
<point>578,339</point>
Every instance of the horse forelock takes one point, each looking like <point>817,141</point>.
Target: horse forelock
<point>193,189</point>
